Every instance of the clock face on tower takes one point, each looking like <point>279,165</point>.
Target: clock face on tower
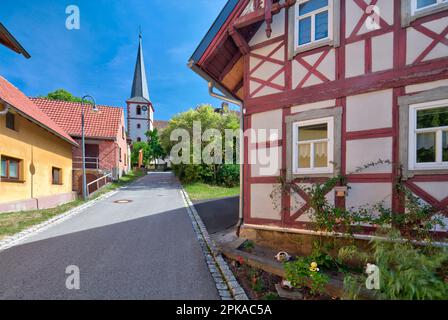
<point>145,108</point>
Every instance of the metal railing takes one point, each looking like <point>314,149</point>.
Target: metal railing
<point>97,182</point>
<point>91,163</point>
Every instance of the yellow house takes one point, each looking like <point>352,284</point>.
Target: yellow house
<point>36,155</point>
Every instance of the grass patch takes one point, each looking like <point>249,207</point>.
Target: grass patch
<point>202,191</point>
<point>15,222</point>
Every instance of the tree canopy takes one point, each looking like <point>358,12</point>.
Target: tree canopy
<point>63,95</point>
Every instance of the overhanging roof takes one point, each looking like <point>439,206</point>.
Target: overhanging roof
<point>8,40</point>
<point>213,31</point>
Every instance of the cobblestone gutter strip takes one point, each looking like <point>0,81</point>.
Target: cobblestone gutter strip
<point>16,239</point>
<point>226,283</point>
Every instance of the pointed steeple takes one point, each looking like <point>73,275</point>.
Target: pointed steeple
<point>140,83</point>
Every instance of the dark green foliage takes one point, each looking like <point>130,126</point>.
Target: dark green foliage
<point>229,175</point>
<point>217,173</point>
<point>63,95</point>
<point>152,149</point>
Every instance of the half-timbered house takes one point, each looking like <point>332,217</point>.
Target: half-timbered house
<point>345,83</point>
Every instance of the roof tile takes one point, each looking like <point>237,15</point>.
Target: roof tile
<point>103,124</point>
<point>14,97</point>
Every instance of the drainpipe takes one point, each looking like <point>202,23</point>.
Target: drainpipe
<point>5,111</point>
<point>211,86</point>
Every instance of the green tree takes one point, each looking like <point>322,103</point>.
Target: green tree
<point>156,151</point>
<point>63,95</point>
<point>216,173</point>
<point>152,149</point>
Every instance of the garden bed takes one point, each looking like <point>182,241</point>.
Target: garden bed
<point>259,272</point>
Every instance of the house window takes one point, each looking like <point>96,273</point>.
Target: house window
<point>420,5</point>
<point>428,135</point>
<point>56,176</point>
<point>119,154</point>
<point>139,110</point>
<point>313,22</point>
<point>10,168</point>
<point>313,145</point>
<point>10,121</point>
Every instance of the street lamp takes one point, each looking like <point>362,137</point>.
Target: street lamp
<point>84,178</point>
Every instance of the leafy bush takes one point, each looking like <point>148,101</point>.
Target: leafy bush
<point>298,272</point>
<point>229,175</point>
<point>216,173</point>
<point>407,272</point>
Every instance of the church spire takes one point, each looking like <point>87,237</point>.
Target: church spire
<point>140,83</point>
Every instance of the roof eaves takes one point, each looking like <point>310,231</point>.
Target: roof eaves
<point>213,31</point>
<point>26,116</point>
<point>16,46</point>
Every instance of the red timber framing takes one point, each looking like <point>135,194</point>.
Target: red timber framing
<point>395,79</point>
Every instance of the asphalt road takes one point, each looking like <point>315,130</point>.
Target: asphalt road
<point>146,249</point>
<point>218,214</point>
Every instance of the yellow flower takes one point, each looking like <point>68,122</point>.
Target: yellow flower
<point>314,267</point>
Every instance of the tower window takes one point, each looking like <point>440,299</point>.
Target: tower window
<point>139,110</point>
<point>139,126</point>
<point>139,139</point>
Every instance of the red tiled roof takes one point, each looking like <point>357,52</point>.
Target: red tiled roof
<point>103,124</point>
<point>14,97</point>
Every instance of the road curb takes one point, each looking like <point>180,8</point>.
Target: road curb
<point>16,239</point>
<point>226,283</point>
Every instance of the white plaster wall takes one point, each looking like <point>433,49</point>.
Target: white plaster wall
<point>327,67</point>
<point>354,13</point>
<point>313,106</point>
<point>426,86</point>
<point>272,120</point>
<point>368,194</point>
<point>262,206</point>
<point>266,162</point>
<point>383,52</point>
<point>278,29</point>
<point>437,26</point>
<point>363,152</point>
<point>417,42</point>
<point>297,202</point>
<point>369,111</point>
<point>266,91</point>
<point>266,71</point>
<point>438,190</point>
<point>355,59</point>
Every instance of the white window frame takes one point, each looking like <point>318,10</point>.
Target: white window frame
<point>413,131</point>
<point>297,17</point>
<point>330,145</point>
<point>416,10</point>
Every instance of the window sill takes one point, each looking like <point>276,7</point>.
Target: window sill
<point>57,184</point>
<point>294,176</point>
<point>12,180</point>
<point>312,46</point>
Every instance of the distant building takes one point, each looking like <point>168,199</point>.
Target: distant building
<point>106,140</point>
<point>139,106</point>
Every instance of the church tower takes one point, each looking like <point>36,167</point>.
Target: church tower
<point>139,106</point>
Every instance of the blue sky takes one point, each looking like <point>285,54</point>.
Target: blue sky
<point>99,58</point>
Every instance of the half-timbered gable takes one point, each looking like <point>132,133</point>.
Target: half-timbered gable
<point>344,84</point>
